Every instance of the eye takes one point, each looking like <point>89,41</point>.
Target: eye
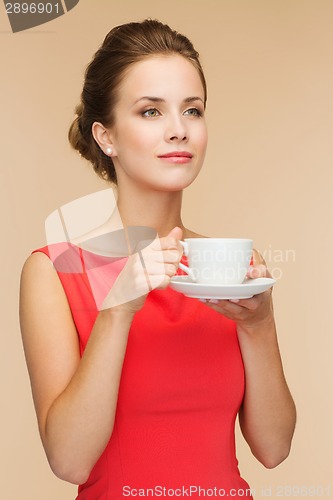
<point>151,113</point>
<point>193,112</point>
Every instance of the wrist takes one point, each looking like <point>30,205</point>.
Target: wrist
<point>118,312</point>
<point>261,327</point>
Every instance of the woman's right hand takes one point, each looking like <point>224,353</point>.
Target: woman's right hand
<point>151,268</point>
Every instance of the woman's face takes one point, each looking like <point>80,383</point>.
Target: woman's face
<point>160,111</point>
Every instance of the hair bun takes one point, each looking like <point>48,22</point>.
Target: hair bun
<point>122,47</point>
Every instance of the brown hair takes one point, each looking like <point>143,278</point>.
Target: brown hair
<point>123,46</point>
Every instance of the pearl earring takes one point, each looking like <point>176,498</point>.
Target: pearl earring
<point>109,151</point>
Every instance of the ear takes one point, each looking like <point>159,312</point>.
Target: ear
<point>103,137</point>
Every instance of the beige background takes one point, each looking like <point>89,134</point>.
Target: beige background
<point>268,175</point>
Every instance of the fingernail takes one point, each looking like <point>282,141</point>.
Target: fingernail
<point>234,300</point>
<point>213,301</point>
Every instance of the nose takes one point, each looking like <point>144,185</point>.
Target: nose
<point>176,130</point>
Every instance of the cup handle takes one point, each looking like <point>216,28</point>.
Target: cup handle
<point>184,268</point>
<point>184,244</point>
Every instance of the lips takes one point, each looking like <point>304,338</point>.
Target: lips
<point>177,154</point>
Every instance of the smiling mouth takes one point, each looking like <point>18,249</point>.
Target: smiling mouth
<point>176,159</point>
<point>177,154</point>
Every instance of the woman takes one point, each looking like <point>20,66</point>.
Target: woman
<point>142,393</point>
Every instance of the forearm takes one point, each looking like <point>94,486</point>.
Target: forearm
<point>80,421</point>
<point>268,414</point>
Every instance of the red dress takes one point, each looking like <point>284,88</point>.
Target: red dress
<point>181,387</point>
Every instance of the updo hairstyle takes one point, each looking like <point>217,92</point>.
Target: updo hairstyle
<point>124,46</point>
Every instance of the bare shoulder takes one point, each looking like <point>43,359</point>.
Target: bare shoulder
<point>48,331</point>
<point>37,261</point>
<point>39,278</point>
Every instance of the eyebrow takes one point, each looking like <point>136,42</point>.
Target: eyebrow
<point>159,99</point>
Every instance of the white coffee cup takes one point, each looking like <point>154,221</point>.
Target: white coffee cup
<point>217,261</point>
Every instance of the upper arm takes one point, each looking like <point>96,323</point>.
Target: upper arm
<point>48,332</point>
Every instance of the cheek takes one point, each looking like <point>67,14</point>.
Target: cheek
<point>126,144</point>
<point>202,138</point>
<point>140,138</point>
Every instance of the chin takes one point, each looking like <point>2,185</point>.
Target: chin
<point>179,182</point>
<point>168,181</point>
<point>175,186</point>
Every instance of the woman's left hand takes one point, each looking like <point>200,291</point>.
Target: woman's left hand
<point>248,313</point>
<point>267,416</point>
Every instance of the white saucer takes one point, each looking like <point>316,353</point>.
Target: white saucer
<point>245,290</point>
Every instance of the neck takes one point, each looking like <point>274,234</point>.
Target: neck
<point>139,205</point>
<point>155,209</point>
